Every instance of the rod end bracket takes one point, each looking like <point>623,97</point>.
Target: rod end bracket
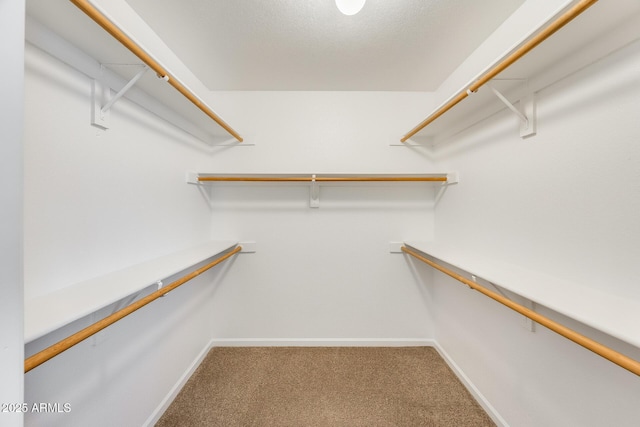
<point>192,178</point>
<point>452,178</point>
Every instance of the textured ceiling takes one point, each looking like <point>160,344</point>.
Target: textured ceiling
<point>400,45</point>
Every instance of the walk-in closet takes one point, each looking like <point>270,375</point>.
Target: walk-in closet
<point>320,213</point>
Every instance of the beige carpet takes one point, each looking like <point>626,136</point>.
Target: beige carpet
<point>324,386</point>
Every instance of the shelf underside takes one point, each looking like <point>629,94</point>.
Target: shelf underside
<point>606,27</point>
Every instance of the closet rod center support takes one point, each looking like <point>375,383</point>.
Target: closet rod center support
<point>314,193</point>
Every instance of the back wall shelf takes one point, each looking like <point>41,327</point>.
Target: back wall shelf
<point>65,32</point>
<point>316,180</point>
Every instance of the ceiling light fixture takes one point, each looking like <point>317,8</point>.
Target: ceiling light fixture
<point>350,7</point>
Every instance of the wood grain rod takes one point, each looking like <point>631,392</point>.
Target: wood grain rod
<point>518,53</point>
<point>112,29</point>
<point>325,179</point>
<point>65,344</point>
<point>606,352</point>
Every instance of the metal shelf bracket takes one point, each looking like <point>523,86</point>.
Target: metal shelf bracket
<point>101,92</point>
<point>526,111</point>
<point>527,323</point>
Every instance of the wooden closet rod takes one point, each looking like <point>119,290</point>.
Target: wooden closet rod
<point>65,344</point>
<point>112,29</point>
<point>325,178</point>
<point>560,22</point>
<point>606,352</point>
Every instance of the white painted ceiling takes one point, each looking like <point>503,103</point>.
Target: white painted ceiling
<point>391,45</point>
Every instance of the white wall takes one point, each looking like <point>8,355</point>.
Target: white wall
<point>322,275</point>
<point>564,202</point>
<point>87,186</point>
<point>11,122</point>
<point>98,201</point>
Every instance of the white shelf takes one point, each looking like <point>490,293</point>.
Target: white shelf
<point>615,316</point>
<point>49,312</point>
<point>315,181</point>
<point>63,31</point>
<point>322,178</point>
<point>604,28</point>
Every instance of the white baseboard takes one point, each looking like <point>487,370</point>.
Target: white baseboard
<point>322,342</point>
<point>155,416</point>
<point>477,395</point>
<point>325,342</point>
